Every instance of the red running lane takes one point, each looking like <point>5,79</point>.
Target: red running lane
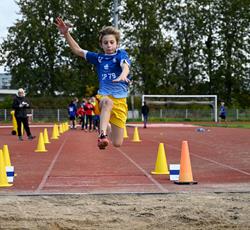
<point>74,164</point>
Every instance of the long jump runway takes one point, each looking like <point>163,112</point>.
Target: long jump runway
<point>220,159</point>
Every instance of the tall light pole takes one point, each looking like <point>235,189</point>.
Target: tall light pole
<point>116,14</point>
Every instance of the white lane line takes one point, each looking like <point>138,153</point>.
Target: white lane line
<point>209,160</point>
<point>63,185</point>
<point>215,162</point>
<point>143,171</point>
<point>46,175</point>
<point>221,164</point>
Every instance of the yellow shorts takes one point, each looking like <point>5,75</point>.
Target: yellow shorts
<point>119,111</point>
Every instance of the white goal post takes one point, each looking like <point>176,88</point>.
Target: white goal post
<point>212,101</point>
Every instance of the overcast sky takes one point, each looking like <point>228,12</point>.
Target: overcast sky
<point>8,15</point>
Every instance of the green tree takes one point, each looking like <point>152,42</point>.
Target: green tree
<point>185,23</point>
<point>31,47</point>
<point>87,18</point>
<point>38,57</point>
<point>234,46</point>
<point>176,47</point>
<point>146,44</point>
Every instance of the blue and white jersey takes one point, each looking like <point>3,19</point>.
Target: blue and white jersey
<point>108,68</point>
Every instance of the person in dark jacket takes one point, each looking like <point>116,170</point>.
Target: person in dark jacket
<point>145,111</point>
<point>20,105</point>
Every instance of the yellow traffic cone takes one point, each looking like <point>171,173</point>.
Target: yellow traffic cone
<point>125,134</point>
<point>54,132</point>
<point>136,137</point>
<point>63,127</point>
<point>67,125</point>
<point>14,122</point>
<point>6,155</point>
<point>45,136</point>
<point>41,145</point>
<point>161,166</point>
<point>57,130</point>
<point>60,129</point>
<point>3,175</point>
<point>9,168</point>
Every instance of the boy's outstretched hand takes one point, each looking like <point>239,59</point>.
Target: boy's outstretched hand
<point>62,26</point>
<point>122,78</point>
<point>124,74</point>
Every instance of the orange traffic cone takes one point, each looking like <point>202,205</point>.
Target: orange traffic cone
<point>41,145</point>
<point>45,136</point>
<point>125,134</point>
<point>186,176</point>
<point>136,137</point>
<point>161,165</point>
<point>3,175</point>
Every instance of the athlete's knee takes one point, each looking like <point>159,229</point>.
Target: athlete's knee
<point>107,103</point>
<point>117,143</point>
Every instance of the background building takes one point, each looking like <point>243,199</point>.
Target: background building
<point>5,80</point>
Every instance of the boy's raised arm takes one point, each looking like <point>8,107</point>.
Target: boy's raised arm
<point>124,74</point>
<point>64,29</point>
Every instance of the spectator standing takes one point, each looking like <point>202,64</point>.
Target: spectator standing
<point>75,101</point>
<point>72,109</point>
<point>145,112</point>
<point>89,108</point>
<point>223,112</point>
<point>20,105</point>
<point>81,114</point>
<point>96,117</point>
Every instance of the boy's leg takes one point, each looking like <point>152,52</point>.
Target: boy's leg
<point>70,122</point>
<point>90,122</point>
<point>116,135</point>
<point>87,121</point>
<point>106,105</point>
<point>82,121</point>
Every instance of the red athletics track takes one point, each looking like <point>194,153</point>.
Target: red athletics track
<point>73,164</point>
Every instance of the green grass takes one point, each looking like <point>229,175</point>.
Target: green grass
<point>157,119</point>
<point>227,125</point>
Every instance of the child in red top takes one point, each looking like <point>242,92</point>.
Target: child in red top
<point>81,114</point>
<point>89,108</point>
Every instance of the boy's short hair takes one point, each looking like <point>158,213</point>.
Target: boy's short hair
<point>109,30</point>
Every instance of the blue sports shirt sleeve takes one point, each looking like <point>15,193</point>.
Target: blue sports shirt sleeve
<point>124,58</point>
<point>92,57</point>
